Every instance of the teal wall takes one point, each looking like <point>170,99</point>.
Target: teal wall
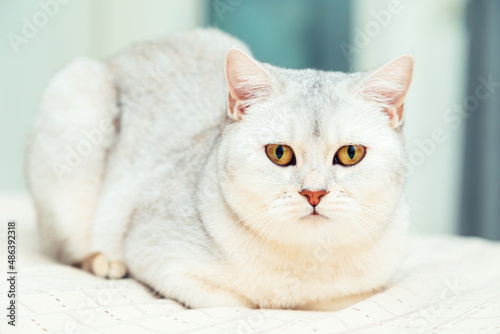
<point>288,33</point>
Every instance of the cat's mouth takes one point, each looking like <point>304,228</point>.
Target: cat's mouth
<point>314,215</point>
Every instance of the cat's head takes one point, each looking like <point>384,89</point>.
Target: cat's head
<point>311,154</point>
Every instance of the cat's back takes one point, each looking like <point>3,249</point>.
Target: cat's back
<point>176,85</point>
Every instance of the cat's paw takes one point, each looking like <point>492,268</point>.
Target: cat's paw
<point>99,265</point>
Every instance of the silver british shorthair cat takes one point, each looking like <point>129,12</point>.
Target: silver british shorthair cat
<point>219,180</point>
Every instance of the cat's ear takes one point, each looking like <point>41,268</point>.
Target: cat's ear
<point>247,81</point>
<point>389,85</point>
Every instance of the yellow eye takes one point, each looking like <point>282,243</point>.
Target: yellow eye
<point>280,154</point>
<point>350,155</point>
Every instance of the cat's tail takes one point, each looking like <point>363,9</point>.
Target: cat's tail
<point>66,155</point>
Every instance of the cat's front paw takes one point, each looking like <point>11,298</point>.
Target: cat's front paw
<point>99,265</point>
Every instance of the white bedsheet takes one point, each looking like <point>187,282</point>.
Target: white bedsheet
<point>445,285</point>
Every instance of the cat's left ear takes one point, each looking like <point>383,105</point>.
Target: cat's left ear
<point>247,81</point>
<point>389,85</point>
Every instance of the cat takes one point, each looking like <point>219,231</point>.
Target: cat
<point>222,181</point>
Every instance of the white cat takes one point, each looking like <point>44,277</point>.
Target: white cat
<point>287,194</point>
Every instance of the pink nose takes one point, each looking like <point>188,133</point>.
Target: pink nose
<point>313,197</point>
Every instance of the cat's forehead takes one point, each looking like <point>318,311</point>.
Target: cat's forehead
<point>312,81</point>
<point>314,102</point>
<point>309,93</point>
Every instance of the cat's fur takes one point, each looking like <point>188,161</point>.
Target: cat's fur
<point>180,190</point>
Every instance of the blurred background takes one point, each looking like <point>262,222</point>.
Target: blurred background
<point>452,116</point>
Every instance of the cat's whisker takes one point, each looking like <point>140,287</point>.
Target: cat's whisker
<point>362,225</point>
<point>371,216</point>
<point>390,220</point>
<point>262,233</point>
<point>252,214</point>
<point>259,220</point>
<point>367,222</point>
<point>379,233</point>
<point>375,205</point>
<point>257,241</point>
<point>365,228</point>
<point>268,240</point>
<point>249,215</point>
<point>393,212</point>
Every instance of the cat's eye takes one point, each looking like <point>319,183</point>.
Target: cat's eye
<point>350,155</point>
<point>280,154</point>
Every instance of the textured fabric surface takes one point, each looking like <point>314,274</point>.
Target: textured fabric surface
<point>445,285</point>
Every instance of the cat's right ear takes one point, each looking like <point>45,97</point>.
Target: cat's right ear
<point>247,81</point>
<point>389,85</point>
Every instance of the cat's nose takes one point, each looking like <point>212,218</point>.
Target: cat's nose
<point>313,197</point>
